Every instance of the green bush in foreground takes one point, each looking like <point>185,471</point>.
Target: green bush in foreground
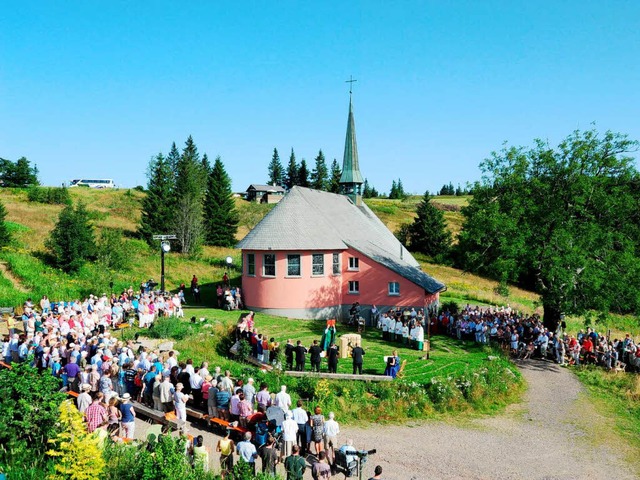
<point>50,195</point>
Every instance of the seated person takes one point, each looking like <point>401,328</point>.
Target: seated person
<point>351,455</point>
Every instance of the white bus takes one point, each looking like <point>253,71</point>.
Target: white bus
<point>93,183</point>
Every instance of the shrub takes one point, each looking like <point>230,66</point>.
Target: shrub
<point>50,195</point>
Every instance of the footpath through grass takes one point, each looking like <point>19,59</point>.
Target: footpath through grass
<point>458,379</point>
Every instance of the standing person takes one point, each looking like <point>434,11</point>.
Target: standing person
<point>128,416</point>
<point>331,431</point>
<point>332,358</point>
<point>212,401</point>
<point>226,447</point>
<point>196,381</point>
<point>95,414</point>
<point>200,453</point>
<point>289,433</point>
<point>283,399</point>
<point>301,418</point>
<point>314,355</point>
<point>84,399</point>
<point>357,353</point>
<point>377,473</point>
<point>166,394</point>
<point>250,392</point>
<point>270,457</point>
<point>114,416</point>
<point>295,465</point>
<point>288,354</point>
<point>317,425</point>
<point>247,451</point>
<point>264,397</point>
<point>321,469</point>
<point>223,398</point>
<point>300,356</point>
<point>180,403</point>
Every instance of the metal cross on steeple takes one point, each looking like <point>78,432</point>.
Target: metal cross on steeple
<point>350,82</point>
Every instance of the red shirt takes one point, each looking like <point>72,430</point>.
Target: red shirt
<point>587,345</point>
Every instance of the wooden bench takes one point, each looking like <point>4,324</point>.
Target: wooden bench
<point>224,425</point>
<point>120,326</point>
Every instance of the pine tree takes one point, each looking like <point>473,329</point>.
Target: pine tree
<point>336,173</point>
<point>275,169</point>
<point>401,194</point>
<point>71,242</point>
<point>158,203</point>
<point>292,171</point>
<point>221,216</point>
<point>303,174</point>
<point>5,236</point>
<point>366,190</point>
<point>188,198</point>
<point>172,160</point>
<point>77,454</point>
<point>428,233</point>
<point>374,193</point>
<point>393,193</point>
<point>320,174</point>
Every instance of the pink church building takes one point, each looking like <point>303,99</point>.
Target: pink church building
<point>316,253</point>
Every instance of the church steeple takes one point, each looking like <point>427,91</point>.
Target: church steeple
<point>351,178</point>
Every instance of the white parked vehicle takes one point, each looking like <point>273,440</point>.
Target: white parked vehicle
<point>93,183</point>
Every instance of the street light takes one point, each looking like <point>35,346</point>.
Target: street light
<point>165,247</point>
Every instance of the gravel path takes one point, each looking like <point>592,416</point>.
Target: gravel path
<point>547,436</point>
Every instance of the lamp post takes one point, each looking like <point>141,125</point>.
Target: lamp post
<point>165,247</point>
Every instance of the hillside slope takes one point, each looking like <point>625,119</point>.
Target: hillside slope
<point>23,271</point>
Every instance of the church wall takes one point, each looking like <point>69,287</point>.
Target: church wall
<point>374,281</point>
<point>291,293</point>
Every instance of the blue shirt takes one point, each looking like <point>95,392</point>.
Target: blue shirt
<point>247,451</point>
<point>127,415</point>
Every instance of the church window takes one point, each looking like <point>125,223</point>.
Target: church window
<point>269,265</point>
<point>394,288</point>
<point>317,264</point>
<point>336,264</point>
<point>354,286</point>
<point>354,263</point>
<point>251,264</point>
<point>293,265</point>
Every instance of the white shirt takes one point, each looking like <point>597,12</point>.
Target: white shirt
<point>300,415</point>
<point>283,400</point>
<point>289,430</point>
<point>331,428</point>
<point>196,381</point>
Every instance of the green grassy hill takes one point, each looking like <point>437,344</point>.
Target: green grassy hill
<point>24,273</point>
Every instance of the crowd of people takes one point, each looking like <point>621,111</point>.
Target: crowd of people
<point>525,336</point>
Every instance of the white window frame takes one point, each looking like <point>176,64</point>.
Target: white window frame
<point>251,263</point>
<point>299,274</point>
<point>351,289</point>
<point>354,264</point>
<point>264,264</point>
<point>334,264</point>
<point>394,289</point>
<point>313,265</point>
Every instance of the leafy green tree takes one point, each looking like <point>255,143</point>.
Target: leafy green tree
<point>303,174</point>
<point>563,221</point>
<point>5,236</point>
<point>276,172</point>
<point>320,173</point>
<point>220,213</point>
<point>18,174</point>
<point>188,199</point>
<point>335,174</point>
<point>71,242</point>
<point>292,171</point>
<point>29,405</point>
<point>428,233</point>
<point>158,203</point>
<point>112,250</point>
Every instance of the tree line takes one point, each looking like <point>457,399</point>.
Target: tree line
<point>189,198</point>
<point>18,174</point>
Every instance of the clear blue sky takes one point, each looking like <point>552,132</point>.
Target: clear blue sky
<point>94,89</point>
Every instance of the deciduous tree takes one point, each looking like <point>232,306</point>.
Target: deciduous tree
<point>563,221</point>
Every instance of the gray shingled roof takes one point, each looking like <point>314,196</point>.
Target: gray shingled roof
<point>266,188</point>
<point>307,219</point>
